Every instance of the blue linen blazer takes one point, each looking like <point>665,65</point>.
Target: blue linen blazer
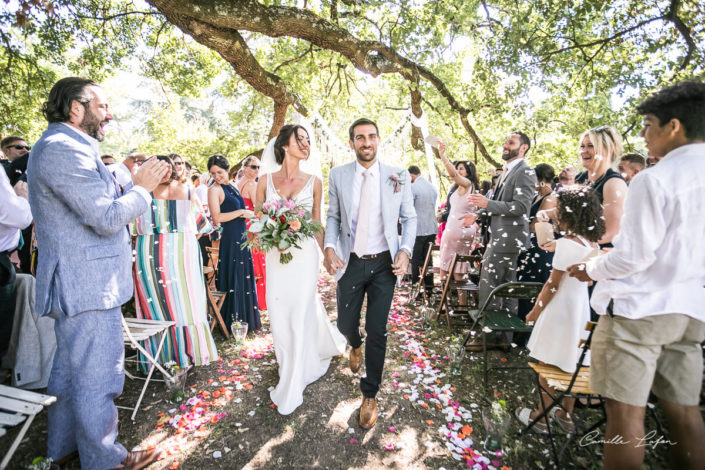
<point>80,218</point>
<point>395,206</point>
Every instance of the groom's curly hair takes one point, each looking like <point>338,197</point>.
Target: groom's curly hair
<point>283,140</point>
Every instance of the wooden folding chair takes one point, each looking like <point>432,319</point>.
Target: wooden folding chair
<point>213,254</point>
<point>216,299</point>
<point>446,306</point>
<point>424,271</point>
<point>18,405</point>
<point>136,332</point>
<point>501,320</point>
<point>567,385</point>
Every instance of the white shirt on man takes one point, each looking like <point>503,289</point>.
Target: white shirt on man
<point>657,265</point>
<point>376,242</point>
<point>15,214</point>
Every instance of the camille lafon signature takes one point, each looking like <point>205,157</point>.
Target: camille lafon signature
<point>651,440</point>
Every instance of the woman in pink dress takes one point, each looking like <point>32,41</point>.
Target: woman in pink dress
<point>247,186</point>
<point>456,238</point>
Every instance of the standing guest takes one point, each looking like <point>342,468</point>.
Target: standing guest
<point>650,295</point>
<point>15,215</point>
<point>566,177</point>
<point>235,173</point>
<point>180,164</point>
<point>202,189</point>
<point>16,152</point>
<point>169,271</point>
<point>247,185</point>
<point>485,186</point>
<point>202,195</point>
<point>83,276</point>
<point>457,238</point>
<point>507,217</point>
<point>188,172</point>
<point>107,159</point>
<point>629,165</point>
<point>425,198</point>
<point>363,252</point>
<point>652,160</point>
<point>236,274</point>
<point>195,180</point>
<point>599,148</point>
<point>535,263</point>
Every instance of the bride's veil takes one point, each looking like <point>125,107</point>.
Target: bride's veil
<point>312,165</point>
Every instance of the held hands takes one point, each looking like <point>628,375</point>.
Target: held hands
<point>477,200</point>
<point>468,219</point>
<point>401,262</point>
<point>150,174</point>
<point>331,261</point>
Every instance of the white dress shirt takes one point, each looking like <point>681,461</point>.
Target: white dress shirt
<point>376,242</point>
<point>94,144</point>
<point>657,265</point>
<point>121,173</point>
<point>507,168</point>
<point>15,214</point>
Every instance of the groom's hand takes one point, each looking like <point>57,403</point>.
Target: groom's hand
<point>331,261</point>
<point>401,262</point>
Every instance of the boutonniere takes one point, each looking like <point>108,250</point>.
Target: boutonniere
<point>397,180</point>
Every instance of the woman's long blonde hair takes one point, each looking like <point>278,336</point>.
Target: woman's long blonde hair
<point>606,140</point>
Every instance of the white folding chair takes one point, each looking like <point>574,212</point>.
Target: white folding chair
<point>135,332</point>
<point>17,405</point>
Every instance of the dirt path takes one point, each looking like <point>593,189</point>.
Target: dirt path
<point>428,418</point>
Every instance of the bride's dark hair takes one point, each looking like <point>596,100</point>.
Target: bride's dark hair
<point>283,140</point>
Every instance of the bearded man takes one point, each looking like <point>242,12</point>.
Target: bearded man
<point>506,216</point>
<point>84,272</point>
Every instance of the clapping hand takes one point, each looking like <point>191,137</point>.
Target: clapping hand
<point>151,174</point>
<point>468,219</point>
<point>478,200</point>
<point>543,216</point>
<point>21,189</point>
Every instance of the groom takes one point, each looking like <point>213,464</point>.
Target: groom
<point>366,198</point>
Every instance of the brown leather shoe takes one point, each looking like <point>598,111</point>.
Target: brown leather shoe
<point>138,459</point>
<point>355,359</point>
<point>368,413</point>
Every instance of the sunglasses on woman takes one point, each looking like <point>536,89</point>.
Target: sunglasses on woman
<point>254,167</point>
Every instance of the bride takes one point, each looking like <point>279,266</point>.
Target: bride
<point>304,339</point>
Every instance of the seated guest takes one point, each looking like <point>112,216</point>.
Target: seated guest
<point>562,310</point>
<point>236,274</point>
<point>425,198</point>
<point>169,272</point>
<point>650,293</point>
<point>630,164</point>
<point>15,215</point>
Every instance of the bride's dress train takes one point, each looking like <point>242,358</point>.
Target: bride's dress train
<point>304,339</point>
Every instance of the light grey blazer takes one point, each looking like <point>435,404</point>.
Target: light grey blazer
<point>85,256</point>
<point>395,206</point>
<point>425,197</point>
<point>509,212</point>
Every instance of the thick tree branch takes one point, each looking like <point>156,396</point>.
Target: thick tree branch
<point>222,19</point>
<point>683,29</point>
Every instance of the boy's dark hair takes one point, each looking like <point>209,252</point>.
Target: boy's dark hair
<point>634,158</point>
<point>579,212</point>
<point>361,122</point>
<point>8,140</point>
<point>684,101</point>
<point>414,170</point>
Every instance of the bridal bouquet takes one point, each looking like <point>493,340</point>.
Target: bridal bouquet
<point>280,224</point>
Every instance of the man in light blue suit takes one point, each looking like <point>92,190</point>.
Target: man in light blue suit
<point>366,198</point>
<point>84,272</point>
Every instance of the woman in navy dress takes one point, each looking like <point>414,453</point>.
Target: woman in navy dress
<point>236,274</point>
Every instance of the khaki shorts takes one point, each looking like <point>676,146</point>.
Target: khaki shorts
<point>661,353</point>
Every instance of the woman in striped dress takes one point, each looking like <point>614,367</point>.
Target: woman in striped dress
<point>169,274</point>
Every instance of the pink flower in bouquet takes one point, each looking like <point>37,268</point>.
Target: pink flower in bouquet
<point>289,204</point>
<point>295,225</point>
<point>266,206</point>
<point>302,213</point>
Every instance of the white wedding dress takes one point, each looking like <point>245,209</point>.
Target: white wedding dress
<point>304,339</point>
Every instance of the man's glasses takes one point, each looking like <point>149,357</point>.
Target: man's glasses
<point>19,147</point>
<point>254,167</point>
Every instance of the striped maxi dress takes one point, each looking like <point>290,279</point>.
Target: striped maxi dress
<point>169,281</point>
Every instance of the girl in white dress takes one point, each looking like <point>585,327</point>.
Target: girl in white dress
<point>562,308</point>
<point>304,339</point>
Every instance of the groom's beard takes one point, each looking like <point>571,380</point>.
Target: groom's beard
<point>365,158</point>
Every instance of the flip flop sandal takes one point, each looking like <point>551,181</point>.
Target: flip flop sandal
<point>566,424</point>
<point>524,416</point>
